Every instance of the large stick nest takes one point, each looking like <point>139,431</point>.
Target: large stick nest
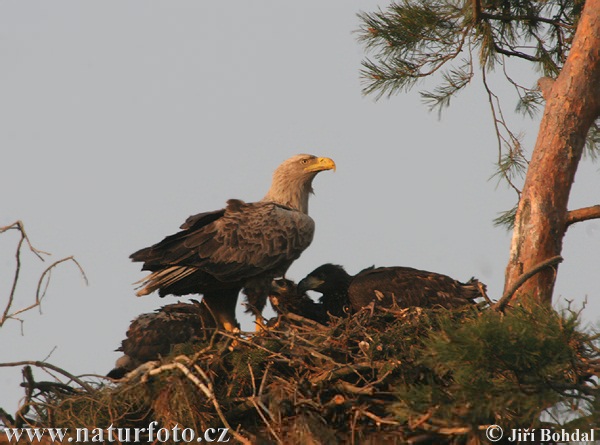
<point>412,375</point>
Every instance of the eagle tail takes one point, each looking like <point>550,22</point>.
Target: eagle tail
<point>162,279</point>
<point>475,289</point>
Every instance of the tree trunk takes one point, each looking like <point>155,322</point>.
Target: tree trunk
<point>572,105</point>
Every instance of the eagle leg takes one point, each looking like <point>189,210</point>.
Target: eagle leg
<point>222,305</point>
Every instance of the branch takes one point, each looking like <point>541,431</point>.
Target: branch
<point>506,52</point>
<point>45,365</point>
<point>501,304</point>
<point>545,85</point>
<point>206,388</point>
<point>584,214</point>
<point>7,315</point>
<point>18,225</point>
<point>477,11</point>
<point>524,18</point>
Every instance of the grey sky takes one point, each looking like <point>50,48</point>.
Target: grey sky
<point>120,119</point>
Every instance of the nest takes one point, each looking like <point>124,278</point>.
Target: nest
<point>396,375</point>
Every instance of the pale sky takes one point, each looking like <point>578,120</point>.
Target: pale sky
<point>121,119</point>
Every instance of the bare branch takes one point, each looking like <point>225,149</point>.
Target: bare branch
<point>55,368</point>
<point>520,54</point>
<point>18,225</point>
<point>44,278</point>
<point>501,304</point>
<point>583,214</point>
<point>205,387</point>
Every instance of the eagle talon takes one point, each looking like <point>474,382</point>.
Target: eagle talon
<point>260,324</point>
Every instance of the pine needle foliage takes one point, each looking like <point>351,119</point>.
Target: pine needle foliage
<point>451,40</point>
<point>388,375</point>
<point>505,369</point>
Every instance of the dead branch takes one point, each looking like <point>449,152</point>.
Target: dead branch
<point>378,420</point>
<point>18,225</point>
<point>44,280</point>
<point>45,365</point>
<point>501,304</point>
<point>205,387</point>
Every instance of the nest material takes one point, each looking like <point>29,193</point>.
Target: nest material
<point>367,378</point>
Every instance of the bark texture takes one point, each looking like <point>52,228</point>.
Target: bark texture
<point>572,105</point>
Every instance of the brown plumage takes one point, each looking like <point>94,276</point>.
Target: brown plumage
<point>244,245</point>
<point>153,335</point>
<point>388,286</point>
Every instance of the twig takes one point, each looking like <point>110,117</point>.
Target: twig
<point>50,386</point>
<point>378,420</point>
<point>500,304</point>
<point>264,379</point>
<point>237,435</point>
<point>41,364</point>
<point>264,419</point>
<point>18,225</point>
<point>256,345</point>
<point>301,319</point>
<point>206,388</point>
<point>6,419</point>
<point>24,409</point>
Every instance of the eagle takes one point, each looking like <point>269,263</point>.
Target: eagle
<point>153,335</point>
<point>243,246</point>
<point>285,298</point>
<point>387,287</point>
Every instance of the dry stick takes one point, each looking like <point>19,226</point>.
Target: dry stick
<point>11,296</point>
<point>205,388</point>
<point>24,409</point>
<point>39,295</point>
<point>18,225</point>
<point>264,419</point>
<point>258,409</point>
<point>237,435</point>
<point>264,379</point>
<point>378,420</point>
<point>256,345</point>
<point>48,270</point>
<point>40,364</point>
<point>301,319</point>
<point>500,304</point>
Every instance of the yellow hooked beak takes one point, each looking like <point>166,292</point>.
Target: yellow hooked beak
<point>320,164</point>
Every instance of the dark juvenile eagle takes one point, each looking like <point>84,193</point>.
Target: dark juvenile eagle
<point>243,246</point>
<point>153,335</point>
<point>285,298</point>
<point>388,286</point>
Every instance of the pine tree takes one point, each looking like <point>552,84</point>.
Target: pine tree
<point>451,41</point>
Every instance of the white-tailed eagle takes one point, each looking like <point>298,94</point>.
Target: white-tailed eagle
<point>243,246</point>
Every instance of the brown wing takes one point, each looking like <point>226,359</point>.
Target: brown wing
<point>226,246</point>
<point>245,241</point>
<point>407,287</point>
